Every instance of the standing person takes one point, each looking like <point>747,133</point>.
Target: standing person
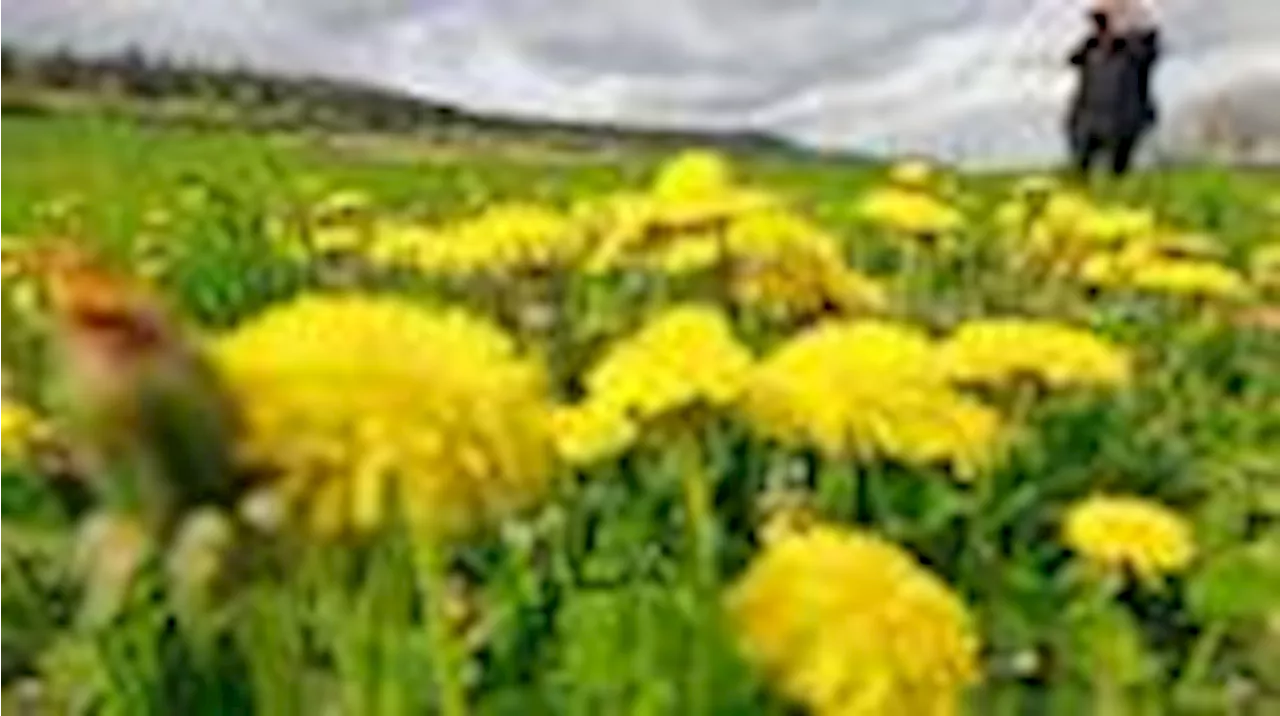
<point>1136,21</point>
<point>1112,108</point>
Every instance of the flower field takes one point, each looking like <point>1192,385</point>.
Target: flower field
<point>288,430</point>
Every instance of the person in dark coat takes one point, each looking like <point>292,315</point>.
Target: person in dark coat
<point>1112,108</point>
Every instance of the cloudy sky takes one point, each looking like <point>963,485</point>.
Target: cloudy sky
<point>965,79</point>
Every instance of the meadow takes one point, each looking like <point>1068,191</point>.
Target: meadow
<point>299,427</point>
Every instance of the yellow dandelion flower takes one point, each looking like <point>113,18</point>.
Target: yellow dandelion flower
<point>879,349</point>
<point>911,212</point>
<point>1062,219</point>
<point>775,232</point>
<point>692,174</point>
<point>401,243</point>
<point>873,390</point>
<point>1188,278</point>
<point>678,225</point>
<point>912,174</point>
<point>1101,270</point>
<point>670,234</point>
<point>1114,532</point>
<point>799,285</point>
<point>785,264</point>
<point>1000,350</point>
<point>685,356</point>
<point>1115,268</point>
<point>845,622</point>
<point>850,291</point>
<point>1114,225</point>
<point>591,431</point>
<point>1067,227</point>
<point>502,239</point>
<point>688,254</point>
<point>21,430</point>
<point>361,403</point>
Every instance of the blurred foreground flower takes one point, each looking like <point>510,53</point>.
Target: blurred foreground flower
<point>847,623</point>
<point>998,351</point>
<point>1122,532</point>
<point>367,405</point>
<point>150,430</point>
<point>145,412</point>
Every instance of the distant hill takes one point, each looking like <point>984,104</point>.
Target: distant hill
<point>156,89</point>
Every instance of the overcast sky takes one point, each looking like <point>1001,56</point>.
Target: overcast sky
<point>966,79</point>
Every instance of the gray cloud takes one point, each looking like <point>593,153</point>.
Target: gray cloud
<point>978,80</point>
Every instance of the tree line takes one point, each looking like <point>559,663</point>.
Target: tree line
<point>254,98</point>
<point>315,101</point>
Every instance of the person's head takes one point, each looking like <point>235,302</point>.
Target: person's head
<point>1125,16</point>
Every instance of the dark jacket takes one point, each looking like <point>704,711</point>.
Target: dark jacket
<point>1113,97</point>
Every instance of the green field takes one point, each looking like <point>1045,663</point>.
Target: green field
<point>764,434</point>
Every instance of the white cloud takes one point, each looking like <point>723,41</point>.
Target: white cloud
<point>970,79</point>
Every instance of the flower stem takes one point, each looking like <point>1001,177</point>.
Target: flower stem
<point>433,573</point>
<point>840,490</point>
<point>702,539</point>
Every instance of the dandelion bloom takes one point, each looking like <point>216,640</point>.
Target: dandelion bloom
<point>912,173</point>
<point>1116,225</point>
<point>686,355</point>
<point>1000,350</point>
<point>591,431</point>
<point>799,285</point>
<point>503,239</point>
<point>910,211</point>
<point>785,264</point>
<point>360,403</point>
<point>1117,532</point>
<point>869,389</point>
<point>678,226</point>
<point>21,429</point>
<point>693,173</point>
<point>1190,278</point>
<point>848,623</point>
<point>1066,226</point>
